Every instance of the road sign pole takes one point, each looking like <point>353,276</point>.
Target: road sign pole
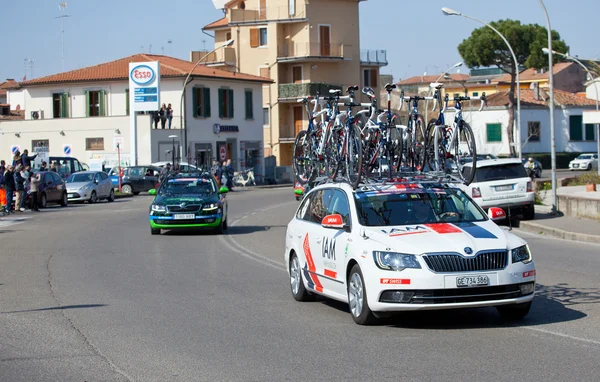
<point>119,165</point>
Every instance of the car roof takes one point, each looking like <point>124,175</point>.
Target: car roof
<point>495,162</point>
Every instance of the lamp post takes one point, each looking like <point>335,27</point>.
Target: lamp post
<point>552,132</point>
<point>182,122</point>
<point>173,150</point>
<point>591,77</point>
<point>517,141</point>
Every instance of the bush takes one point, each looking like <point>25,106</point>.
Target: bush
<point>584,179</point>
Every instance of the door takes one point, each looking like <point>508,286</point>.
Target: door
<point>325,40</point>
<point>50,187</point>
<point>136,178</point>
<point>59,187</point>
<point>106,184</point>
<point>150,178</point>
<point>337,253</point>
<point>297,74</point>
<point>298,120</point>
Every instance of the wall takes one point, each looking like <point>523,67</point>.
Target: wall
<point>16,98</point>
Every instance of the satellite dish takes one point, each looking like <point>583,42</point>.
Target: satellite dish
<point>220,4</point>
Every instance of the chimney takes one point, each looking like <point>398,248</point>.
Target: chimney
<point>535,86</point>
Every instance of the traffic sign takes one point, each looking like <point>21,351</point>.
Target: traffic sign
<point>67,150</point>
<point>118,140</point>
<point>223,153</point>
<point>14,149</point>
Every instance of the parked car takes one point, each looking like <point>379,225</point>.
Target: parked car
<point>135,179</point>
<point>52,189</point>
<point>502,183</point>
<point>90,186</point>
<point>537,167</point>
<point>183,166</point>
<point>586,161</point>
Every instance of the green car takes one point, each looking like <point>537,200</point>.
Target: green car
<point>188,201</point>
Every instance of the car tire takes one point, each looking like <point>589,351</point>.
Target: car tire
<point>538,174</point>
<point>589,167</point>
<point>514,312</point>
<point>64,200</point>
<point>136,193</point>
<point>43,201</point>
<point>220,228</point>
<point>529,212</point>
<point>93,198</point>
<point>154,231</point>
<point>111,196</point>
<point>126,189</point>
<point>299,291</point>
<point>357,298</point>
<point>225,225</point>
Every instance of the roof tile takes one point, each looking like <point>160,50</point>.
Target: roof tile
<point>531,74</point>
<point>561,98</point>
<point>431,78</point>
<point>217,24</point>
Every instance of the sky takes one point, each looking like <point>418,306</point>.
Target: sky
<point>418,38</point>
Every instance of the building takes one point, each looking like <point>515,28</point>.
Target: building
<point>87,110</point>
<point>420,85</point>
<point>304,46</point>
<point>567,76</point>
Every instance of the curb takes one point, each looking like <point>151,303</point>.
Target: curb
<point>558,233</point>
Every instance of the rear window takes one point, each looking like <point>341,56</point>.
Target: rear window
<point>500,172</point>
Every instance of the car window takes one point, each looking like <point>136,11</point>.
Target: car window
<point>55,178</point>
<point>149,171</point>
<point>339,205</point>
<point>500,172</point>
<point>319,205</point>
<point>80,178</point>
<point>302,211</point>
<point>135,171</point>
<point>77,165</point>
<point>48,177</point>
<point>97,177</point>
<point>103,176</point>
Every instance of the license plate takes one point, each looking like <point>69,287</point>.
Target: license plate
<point>470,281</point>
<point>575,165</point>
<point>507,187</point>
<point>183,216</point>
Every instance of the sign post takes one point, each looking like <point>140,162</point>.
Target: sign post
<point>119,173</point>
<point>144,95</point>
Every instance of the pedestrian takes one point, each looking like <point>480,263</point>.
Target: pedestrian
<point>44,166</point>
<point>34,180</point>
<point>230,171</point>
<point>9,187</point>
<point>53,167</point>
<point>19,188</point>
<point>26,174</point>
<point>156,118</point>
<point>26,159</point>
<point>218,172</point>
<point>2,170</point>
<point>2,199</point>
<point>17,159</point>
<point>162,113</point>
<point>169,115</point>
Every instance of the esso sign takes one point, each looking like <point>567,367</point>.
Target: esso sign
<point>142,75</point>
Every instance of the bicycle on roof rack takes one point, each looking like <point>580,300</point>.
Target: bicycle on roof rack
<point>449,148</point>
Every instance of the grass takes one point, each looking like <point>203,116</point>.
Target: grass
<point>583,179</point>
<point>541,189</point>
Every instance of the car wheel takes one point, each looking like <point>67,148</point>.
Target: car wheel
<point>111,197</point>
<point>126,189</point>
<point>65,200</point>
<point>154,231</point>
<point>220,228</point>
<point>299,291</point>
<point>357,298</point>
<point>529,212</point>
<point>43,201</point>
<point>514,312</point>
<point>93,197</point>
<point>538,174</point>
<point>136,193</point>
<point>589,167</point>
<point>225,225</point>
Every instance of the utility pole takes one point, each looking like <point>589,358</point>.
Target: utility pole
<point>62,7</point>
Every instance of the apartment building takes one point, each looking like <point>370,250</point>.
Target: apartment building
<point>304,46</point>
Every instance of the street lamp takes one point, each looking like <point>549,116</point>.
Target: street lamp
<point>182,116</point>
<point>552,132</point>
<point>517,141</point>
<point>591,77</point>
<point>173,151</point>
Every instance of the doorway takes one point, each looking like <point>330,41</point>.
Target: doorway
<point>325,40</point>
<point>297,74</point>
<point>203,155</point>
<point>298,120</point>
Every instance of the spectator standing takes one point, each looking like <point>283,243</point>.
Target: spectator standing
<point>169,115</point>
<point>162,113</point>
<point>2,199</point>
<point>53,167</point>
<point>19,188</point>
<point>9,187</point>
<point>26,159</point>
<point>26,174</point>
<point>230,171</point>
<point>44,166</point>
<point>218,172</point>
<point>156,118</point>
<point>2,170</point>
<point>17,159</point>
<point>34,180</point>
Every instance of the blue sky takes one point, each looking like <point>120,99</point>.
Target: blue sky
<point>416,35</point>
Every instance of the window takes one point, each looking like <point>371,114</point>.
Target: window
<point>370,78</point>
<point>60,105</point>
<point>103,176</point>
<point>95,103</point>
<point>494,132</point>
<point>266,121</point>
<point>201,102</point>
<point>575,128</point>
<point>97,177</point>
<point>589,131</point>
<point>475,94</point>
<point>40,143</point>
<point>319,204</point>
<point>249,104</point>
<point>92,144</point>
<point>258,37</point>
<point>262,39</point>
<point>292,7</point>
<point>533,131</point>
<point>225,103</point>
<point>339,205</point>
<point>228,36</point>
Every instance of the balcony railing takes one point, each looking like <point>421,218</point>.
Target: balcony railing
<point>287,133</point>
<point>221,56</point>
<point>271,13</point>
<point>373,57</point>
<point>295,91</point>
<point>299,50</point>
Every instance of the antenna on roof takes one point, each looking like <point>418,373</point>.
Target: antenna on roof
<point>61,8</point>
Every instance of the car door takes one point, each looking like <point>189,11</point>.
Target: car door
<point>98,186</point>
<point>136,178</point>
<point>105,183</point>
<point>50,187</point>
<point>150,178</point>
<point>59,187</point>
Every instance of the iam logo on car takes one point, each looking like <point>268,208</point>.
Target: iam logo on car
<point>142,74</point>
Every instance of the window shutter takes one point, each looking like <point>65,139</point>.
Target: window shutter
<point>374,78</point>
<point>575,128</point>
<point>264,72</point>
<point>206,101</point>
<point>195,102</point>
<point>589,131</point>
<point>101,112</point>
<point>126,101</point>
<point>230,100</point>
<point>87,103</point>
<point>249,106</point>
<point>494,132</point>
<point>221,101</point>
<point>64,105</point>
<point>254,37</point>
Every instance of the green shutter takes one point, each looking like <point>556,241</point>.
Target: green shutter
<point>126,101</point>
<point>575,128</point>
<point>87,103</point>
<point>494,132</point>
<point>230,100</point>
<point>64,105</point>
<point>221,103</point>
<point>249,106</point>
<point>206,102</point>
<point>589,131</point>
<point>101,102</point>
<point>195,102</point>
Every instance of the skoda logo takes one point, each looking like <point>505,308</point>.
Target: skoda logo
<point>468,251</point>
<point>182,205</point>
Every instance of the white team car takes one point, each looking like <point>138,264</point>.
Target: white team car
<point>406,246</point>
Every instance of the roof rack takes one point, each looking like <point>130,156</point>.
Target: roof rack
<point>401,177</point>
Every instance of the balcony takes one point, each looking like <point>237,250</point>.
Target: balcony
<point>221,57</point>
<point>282,14</point>
<point>373,57</point>
<point>292,92</point>
<point>305,51</point>
<point>287,133</point>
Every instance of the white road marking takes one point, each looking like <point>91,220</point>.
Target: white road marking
<point>562,335</point>
<point>520,232</point>
<point>9,221</point>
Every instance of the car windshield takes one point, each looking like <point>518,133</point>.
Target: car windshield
<point>180,186</point>
<point>500,172</point>
<point>76,178</point>
<point>415,206</point>
<point>583,156</point>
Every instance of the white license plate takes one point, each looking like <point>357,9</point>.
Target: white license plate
<point>183,216</point>
<point>470,281</point>
<point>507,187</point>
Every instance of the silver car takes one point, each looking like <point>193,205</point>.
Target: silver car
<point>89,186</point>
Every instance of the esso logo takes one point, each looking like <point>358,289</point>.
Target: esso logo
<point>142,75</point>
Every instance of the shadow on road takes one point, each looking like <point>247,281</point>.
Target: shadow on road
<point>247,229</point>
<point>57,308</point>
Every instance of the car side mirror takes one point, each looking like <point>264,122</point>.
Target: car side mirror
<point>334,221</point>
<point>496,213</point>
<point>96,181</point>
<point>152,191</point>
<point>223,190</point>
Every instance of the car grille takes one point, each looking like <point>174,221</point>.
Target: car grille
<point>187,208</point>
<point>184,221</point>
<point>453,296</point>
<point>483,261</point>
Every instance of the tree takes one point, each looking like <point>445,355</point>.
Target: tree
<point>485,48</point>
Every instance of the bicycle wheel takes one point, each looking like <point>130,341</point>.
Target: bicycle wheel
<point>395,146</point>
<point>370,156</point>
<point>464,151</point>
<point>303,157</point>
<point>333,153</point>
<point>416,145</point>
<point>353,156</point>
<point>431,146</point>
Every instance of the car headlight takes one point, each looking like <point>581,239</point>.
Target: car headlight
<point>395,261</point>
<point>210,207</point>
<point>521,254</point>
<point>158,208</point>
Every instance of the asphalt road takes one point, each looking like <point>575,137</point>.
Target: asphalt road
<point>561,174</point>
<point>86,294</point>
